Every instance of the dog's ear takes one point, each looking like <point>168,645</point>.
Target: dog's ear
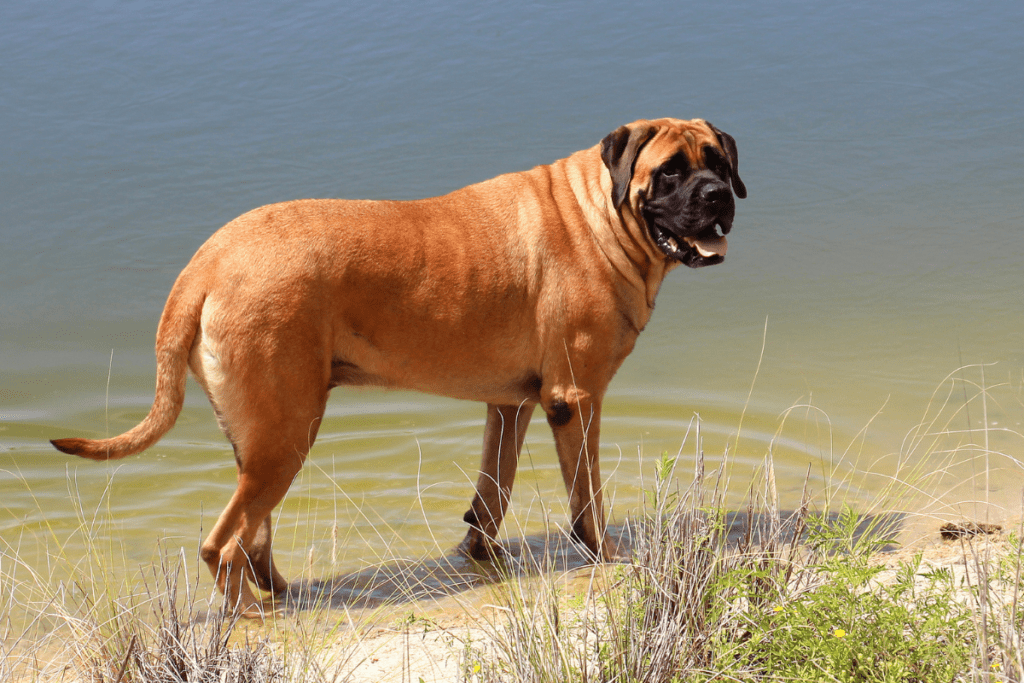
<point>619,150</point>
<point>726,142</point>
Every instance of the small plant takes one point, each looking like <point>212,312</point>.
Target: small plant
<point>848,626</point>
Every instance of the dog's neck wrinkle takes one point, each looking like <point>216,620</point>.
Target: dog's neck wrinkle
<point>631,255</point>
<point>622,252</point>
<point>655,270</point>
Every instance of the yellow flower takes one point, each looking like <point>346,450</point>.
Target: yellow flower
<point>476,668</point>
<point>839,633</point>
<point>777,608</point>
<point>997,665</point>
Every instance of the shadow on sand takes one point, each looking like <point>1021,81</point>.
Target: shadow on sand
<point>408,581</point>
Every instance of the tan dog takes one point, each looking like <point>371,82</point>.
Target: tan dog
<point>530,288</point>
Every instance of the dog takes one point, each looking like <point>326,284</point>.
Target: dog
<point>527,289</point>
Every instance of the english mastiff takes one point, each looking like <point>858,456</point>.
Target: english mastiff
<point>528,289</point>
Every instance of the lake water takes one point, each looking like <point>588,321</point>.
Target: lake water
<point>880,249</point>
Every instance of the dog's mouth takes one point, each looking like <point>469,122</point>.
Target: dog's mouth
<point>706,248</point>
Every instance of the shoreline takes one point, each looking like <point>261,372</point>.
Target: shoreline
<point>448,637</point>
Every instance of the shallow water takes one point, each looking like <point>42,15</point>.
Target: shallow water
<point>879,251</point>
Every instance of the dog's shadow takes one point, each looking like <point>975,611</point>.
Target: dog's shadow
<point>445,576</point>
<point>452,574</point>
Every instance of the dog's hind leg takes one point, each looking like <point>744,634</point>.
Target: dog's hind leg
<point>270,406</point>
<point>503,441</point>
<point>270,454</point>
<point>261,561</point>
<point>226,550</point>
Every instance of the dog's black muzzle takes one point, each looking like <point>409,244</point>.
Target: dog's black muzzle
<point>684,218</point>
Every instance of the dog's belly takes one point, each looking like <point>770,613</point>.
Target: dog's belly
<point>501,375</point>
<point>499,391</point>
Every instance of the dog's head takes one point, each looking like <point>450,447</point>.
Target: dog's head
<point>677,178</point>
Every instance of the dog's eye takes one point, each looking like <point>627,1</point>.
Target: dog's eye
<point>675,167</point>
<point>716,163</point>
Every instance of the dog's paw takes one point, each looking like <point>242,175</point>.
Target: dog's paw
<point>477,546</point>
<point>608,550</point>
<point>611,551</point>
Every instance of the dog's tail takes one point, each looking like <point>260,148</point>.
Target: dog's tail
<point>175,335</point>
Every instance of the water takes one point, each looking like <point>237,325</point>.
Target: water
<point>880,248</point>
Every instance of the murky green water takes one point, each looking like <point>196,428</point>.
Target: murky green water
<point>880,248</point>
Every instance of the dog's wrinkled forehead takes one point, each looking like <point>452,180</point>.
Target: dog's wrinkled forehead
<point>671,137</point>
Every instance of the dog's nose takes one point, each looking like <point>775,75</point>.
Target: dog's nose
<point>714,193</point>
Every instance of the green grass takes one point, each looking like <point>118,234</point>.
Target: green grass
<point>843,624</point>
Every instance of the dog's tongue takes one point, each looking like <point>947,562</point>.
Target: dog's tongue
<point>709,246</point>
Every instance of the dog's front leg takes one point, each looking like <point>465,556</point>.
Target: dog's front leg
<point>503,441</point>
<point>575,419</point>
